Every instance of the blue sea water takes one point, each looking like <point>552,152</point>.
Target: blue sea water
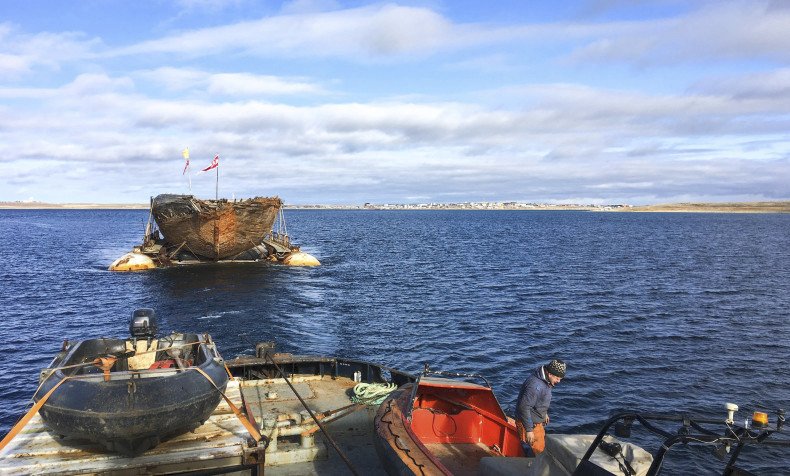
<point>655,312</point>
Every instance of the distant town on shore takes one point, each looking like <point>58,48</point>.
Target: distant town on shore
<point>711,207</point>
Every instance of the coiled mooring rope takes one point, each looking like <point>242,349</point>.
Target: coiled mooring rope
<point>372,393</point>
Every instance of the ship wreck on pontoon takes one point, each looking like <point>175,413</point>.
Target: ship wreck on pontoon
<point>183,229</point>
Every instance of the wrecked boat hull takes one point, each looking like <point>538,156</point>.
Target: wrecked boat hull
<point>193,231</point>
<point>214,229</point>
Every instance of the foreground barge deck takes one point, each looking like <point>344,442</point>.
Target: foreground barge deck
<point>222,444</point>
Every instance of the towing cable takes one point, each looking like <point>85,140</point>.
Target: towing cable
<point>312,415</point>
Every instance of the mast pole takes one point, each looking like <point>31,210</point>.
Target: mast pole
<point>216,188</point>
<point>187,168</point>
<point>150,214</point>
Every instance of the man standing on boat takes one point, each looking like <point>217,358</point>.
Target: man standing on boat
<point>532,407</point>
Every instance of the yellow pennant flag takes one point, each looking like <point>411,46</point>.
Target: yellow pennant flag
<point>185,153</point>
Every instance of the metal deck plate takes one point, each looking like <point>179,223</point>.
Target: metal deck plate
<point>353,433</point>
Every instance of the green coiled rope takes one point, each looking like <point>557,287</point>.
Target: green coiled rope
<point>372,393</point>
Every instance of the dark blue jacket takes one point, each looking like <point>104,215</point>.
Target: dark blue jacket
<point>534,398</point>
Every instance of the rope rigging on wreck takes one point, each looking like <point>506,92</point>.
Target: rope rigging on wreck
<point>182,229</point>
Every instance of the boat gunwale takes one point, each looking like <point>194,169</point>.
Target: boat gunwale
<point>209,348</point>
<point>403,399</point>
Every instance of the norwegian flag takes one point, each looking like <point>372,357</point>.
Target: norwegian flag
<point>214,164</point>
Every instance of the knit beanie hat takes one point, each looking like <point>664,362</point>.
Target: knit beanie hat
<point>557,367</point>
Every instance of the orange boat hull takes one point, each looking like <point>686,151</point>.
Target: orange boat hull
<point>452,426</point>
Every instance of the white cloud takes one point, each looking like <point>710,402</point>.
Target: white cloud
<point>770,86</point>
<point>562,138</point>
<point>20,53</point>
<point>717,31</point>
<point>96,84</point>
<point>174,79</point>
<point>365,32</point>
<point>309,6</point>
<point>117,123</point>
<point>305,29</point>
<point>13,65</point>
<point>243,84</point>
<point>208,5</point>
<point>228,84</point>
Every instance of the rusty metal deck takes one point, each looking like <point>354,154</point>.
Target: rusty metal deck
<point>353,432</point>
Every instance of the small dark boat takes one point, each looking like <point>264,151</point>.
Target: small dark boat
<point>130,394</point>
<point>214,229</point>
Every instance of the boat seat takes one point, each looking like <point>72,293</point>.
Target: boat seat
<point>563,455</point>
<point>145,355</point>
<point>502,466</point>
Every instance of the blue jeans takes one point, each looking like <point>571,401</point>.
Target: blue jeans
<point>527,450</point>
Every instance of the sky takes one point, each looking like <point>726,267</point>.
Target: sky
<point>347,102</point>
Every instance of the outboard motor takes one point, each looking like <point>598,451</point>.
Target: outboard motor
<point>143,323</point>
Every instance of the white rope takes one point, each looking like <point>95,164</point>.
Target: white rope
<point>372,393</point>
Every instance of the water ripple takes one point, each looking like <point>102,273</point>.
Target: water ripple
<point>653,311</point>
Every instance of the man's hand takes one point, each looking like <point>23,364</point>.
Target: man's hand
<point>530,437</point>
<point>547,419</point>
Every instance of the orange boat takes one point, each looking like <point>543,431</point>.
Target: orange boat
<point>439,425</point>
<point>443,426</point>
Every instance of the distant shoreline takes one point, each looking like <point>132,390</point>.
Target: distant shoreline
<point>71,206</point>
<point>724,207</point>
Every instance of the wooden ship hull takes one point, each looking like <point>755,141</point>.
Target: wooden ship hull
<point>214,229</point>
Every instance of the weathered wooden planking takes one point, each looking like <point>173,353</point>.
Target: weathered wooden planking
<point>218,443</point>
